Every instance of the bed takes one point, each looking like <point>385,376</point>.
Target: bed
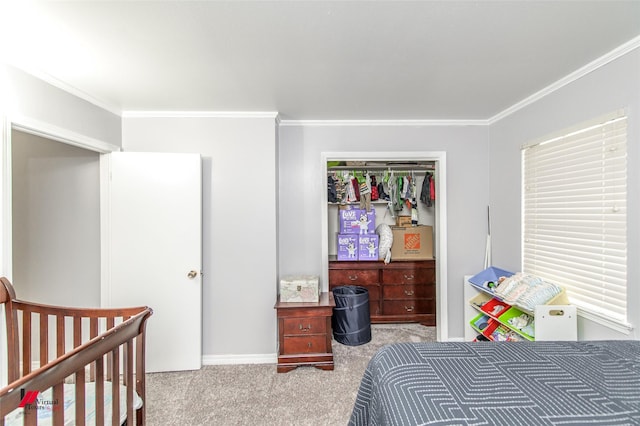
<point>501,383</point>
<point>72,366</point>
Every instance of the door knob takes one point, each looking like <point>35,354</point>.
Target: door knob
<point>192,274</point>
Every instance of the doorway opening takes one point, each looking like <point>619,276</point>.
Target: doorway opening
<point>55,209</point>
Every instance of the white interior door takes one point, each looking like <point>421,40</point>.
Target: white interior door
<point>152,252</point>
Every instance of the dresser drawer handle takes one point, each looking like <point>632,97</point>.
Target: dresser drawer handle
<point>309,345</point>
<point>305,328</point>
<point>353,277</point>
<point>408,308</point>
<point>409,277</point>
<point>408,292</point>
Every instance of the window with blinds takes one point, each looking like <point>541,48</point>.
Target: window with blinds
<point>575,216</point>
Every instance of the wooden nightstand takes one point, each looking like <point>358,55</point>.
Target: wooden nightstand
<point>304,334</point>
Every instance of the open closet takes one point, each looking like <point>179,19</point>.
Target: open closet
<point>386,208</point>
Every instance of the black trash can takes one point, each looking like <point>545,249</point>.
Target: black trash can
<point>350,321</point>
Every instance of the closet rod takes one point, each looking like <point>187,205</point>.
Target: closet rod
<point>395,167</point>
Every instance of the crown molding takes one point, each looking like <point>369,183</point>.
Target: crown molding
<point>570,78</point>
<point>200,114</point>
<point>368,123</point>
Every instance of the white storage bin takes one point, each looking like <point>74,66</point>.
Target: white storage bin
<point>556,322</point>
<point>299,288</point>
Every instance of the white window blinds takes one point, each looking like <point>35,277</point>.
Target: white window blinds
<point>575,216</point>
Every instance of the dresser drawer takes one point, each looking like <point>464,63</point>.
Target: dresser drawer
<point>353,277</point>
<point>408,307</point>
<point>374,290</point>
<point>408,291</point>
<point>408,276</point>
<point>304,344</point>
<point>308,325</point>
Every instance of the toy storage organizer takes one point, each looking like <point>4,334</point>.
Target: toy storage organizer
<point>492,318</point>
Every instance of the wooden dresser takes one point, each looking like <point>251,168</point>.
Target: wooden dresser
<point>304,334</point>
<point>400,291</point>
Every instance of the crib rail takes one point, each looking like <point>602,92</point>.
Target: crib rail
<point>50,346</point>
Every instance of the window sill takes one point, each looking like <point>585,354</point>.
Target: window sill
<point>618,326</point>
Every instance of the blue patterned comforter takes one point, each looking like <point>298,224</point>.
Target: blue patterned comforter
<point>489,383</point>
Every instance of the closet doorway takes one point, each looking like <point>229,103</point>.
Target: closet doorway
<point>438,159</point>
<point>55,199</point>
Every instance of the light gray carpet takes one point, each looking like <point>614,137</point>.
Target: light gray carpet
<point>257,395</point>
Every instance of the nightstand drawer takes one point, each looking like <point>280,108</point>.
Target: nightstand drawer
<point>408,291</point>
<point>353,277</point>
<point>409,276</point>
<point>305,344</point>
<point>301,326</point>
<point>408,307</point>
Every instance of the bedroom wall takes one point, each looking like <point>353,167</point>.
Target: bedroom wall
<point>610,87</point>
<point>56,222</point>
<point>239,225</point>
<point>301,186</point>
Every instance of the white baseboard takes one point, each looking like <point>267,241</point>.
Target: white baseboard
<point>231,359</point>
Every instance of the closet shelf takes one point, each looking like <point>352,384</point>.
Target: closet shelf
<point>394,167</point>
<point>356,203</point>
<point>382,168</point>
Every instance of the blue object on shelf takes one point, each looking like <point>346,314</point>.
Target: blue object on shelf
<point>488,279</point>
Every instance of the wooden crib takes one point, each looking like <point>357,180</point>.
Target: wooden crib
<point>72,366</point>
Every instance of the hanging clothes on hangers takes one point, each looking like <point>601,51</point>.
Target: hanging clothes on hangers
<point>374,188</point>
<point>425,193</point>
<point>397,199</point>
<point>365,193</point>
<point>341,190</point>
<point>332,193</point>
<point>356,188</point>
<point>414,202</point>
<point>351,192</point>
<point>392,197</point>
<point>432,188</point>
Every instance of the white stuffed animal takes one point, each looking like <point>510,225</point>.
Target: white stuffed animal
<point>385,241</point>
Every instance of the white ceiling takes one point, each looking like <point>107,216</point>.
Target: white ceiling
<point>321,60</point>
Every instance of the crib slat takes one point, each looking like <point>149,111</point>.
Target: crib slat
<point>58,410</point>
<point>115,386</point>
<point>140,379</point>
<point>26,342</point>
<point>110,325</point>
<point>129,380</point>
<point>60,334</point>
<point>80,397</point>
<point>77,331</point>
<point>99,380</point>
<point>44,338</point>
<point>31,414</point>
<point>93,332</point>
<point>80,374</point>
